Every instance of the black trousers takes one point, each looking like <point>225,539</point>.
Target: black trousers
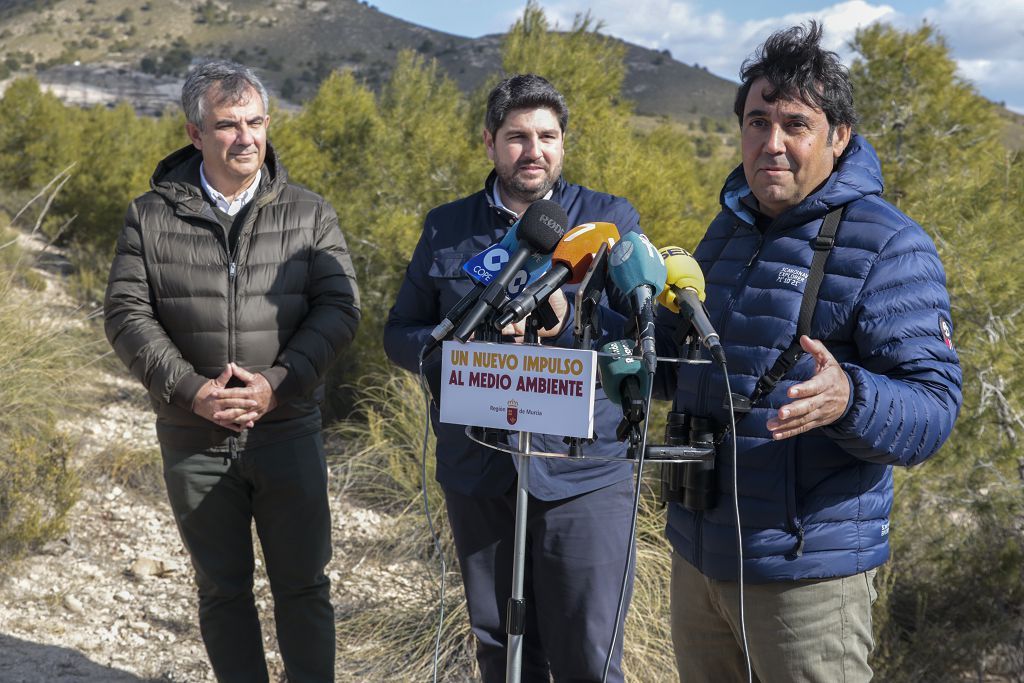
<point>576,552</point>
<point>283,487</point>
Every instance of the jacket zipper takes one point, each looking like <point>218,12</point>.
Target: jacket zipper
<point>792,518</point>
<point>705,377</point>
<point>232,271</point>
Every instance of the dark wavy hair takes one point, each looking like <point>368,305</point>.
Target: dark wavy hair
<point>798,68</point>
<point>523,91</point>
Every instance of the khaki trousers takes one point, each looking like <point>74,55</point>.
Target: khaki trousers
<point>815,631</point>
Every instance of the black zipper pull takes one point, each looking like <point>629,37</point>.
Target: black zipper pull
<point>757,251</point>
<point>233,447</point>
<point>799,550</point>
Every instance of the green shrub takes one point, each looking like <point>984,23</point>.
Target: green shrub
<point>37,488</point>
<point>38,359</point>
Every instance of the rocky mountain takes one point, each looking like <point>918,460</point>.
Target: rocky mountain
<point>94,51</point>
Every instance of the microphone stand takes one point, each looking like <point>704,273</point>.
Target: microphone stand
<point>486,333</point>
<point>516,611</point>
<point>587,297</point>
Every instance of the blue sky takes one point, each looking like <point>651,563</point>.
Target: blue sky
<point>986,37</point>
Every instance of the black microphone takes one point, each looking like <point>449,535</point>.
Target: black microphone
<point>684,293</point>
<point>454,315</point>
<point>569,263</point>
<point>540,228</point>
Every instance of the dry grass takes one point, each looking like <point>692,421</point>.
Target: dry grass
<point>388,632</point>
<point>39,356</point>
<point>393,639</point>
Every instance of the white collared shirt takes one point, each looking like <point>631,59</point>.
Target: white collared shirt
<point>221,202</point>
<point>500,204</point>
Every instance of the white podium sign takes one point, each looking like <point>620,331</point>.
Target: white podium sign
<point>538,389</point>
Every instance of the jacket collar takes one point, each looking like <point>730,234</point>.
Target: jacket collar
<point>176,179</point>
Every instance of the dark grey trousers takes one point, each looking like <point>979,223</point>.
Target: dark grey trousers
<point>575,555</point>
<point>283,487</point>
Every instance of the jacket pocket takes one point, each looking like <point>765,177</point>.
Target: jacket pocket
<point>452,281</point>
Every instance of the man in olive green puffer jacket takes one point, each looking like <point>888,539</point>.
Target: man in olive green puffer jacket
<point>231,292</point>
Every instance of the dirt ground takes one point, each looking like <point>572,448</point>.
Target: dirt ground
<point>113,600</point>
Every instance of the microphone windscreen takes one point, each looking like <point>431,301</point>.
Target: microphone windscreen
<point>621,364</point>
<point>683,272</point>
<point>634,261</point>
<point>542,225</point>
<point>579,246</point>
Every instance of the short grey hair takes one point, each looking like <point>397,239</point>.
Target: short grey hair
<point>233,80</point>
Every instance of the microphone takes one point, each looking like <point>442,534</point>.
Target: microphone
<point>540,228</point>
<point>570,262</point>
<point>509,243</point>
<point>588,294</point>
<point>684,293</point>
<point>625,382</point>
<point>638,270</point>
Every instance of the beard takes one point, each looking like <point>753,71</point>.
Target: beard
<point>528,190</point>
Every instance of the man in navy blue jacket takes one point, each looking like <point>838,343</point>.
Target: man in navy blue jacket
<point>580,509</point>
<point>878,385</point>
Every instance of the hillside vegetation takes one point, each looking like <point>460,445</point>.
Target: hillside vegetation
<point>952,597</point>
<point>123,46</point>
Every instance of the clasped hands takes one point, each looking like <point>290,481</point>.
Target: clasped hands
<point>237,408</point>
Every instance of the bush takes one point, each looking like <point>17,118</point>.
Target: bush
<point>37,488</point>
<point>38,357</point>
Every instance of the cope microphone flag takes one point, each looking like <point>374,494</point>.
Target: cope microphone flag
<point>541,227</point>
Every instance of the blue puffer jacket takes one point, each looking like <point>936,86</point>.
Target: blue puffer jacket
<point>817,505</point>
<point>434,282</point>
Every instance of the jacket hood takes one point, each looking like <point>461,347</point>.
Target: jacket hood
<point>858,174</point>
<point>176,178</point>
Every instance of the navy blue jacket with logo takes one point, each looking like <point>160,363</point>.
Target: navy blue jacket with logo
<point>817,505</point>
<point>434,282</point>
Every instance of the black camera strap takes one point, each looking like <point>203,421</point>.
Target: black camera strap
<point>822,246</point>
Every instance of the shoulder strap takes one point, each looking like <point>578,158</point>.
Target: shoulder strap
<point>822,246</point>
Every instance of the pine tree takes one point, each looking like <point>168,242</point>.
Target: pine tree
<point>957,545</point>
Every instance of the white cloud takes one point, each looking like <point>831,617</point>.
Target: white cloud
<point>986,37</point>
<point>990,30</point>
<point>709,37</point>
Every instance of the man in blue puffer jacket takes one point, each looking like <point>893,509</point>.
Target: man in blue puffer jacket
<point>579,509</point>
<point>879,385</point>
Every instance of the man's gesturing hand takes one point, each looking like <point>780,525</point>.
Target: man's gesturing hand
<point>209,404</point>
<point>820,401</point>
<point>257,395</point>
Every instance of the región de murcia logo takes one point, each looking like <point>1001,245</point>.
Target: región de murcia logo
<point>512,414</point>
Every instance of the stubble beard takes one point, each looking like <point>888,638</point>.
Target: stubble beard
<point>528,193</point>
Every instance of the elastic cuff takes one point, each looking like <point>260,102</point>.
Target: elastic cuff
<point>186,389</point>
<point>281,381</point>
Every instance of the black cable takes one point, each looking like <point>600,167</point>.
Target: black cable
<point>739,532</point>
<point>630,550</point>
<point>430,520</point>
